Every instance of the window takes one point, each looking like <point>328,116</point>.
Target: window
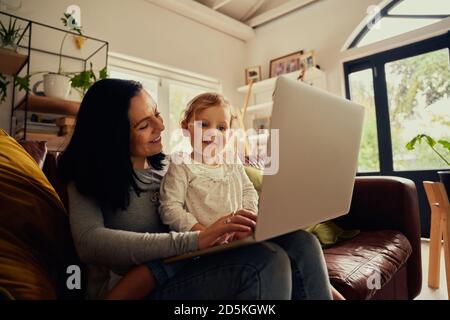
<point>179,95</point>
<point>398,17</point>
<point>419,102</point>
<point>406,88</point>
<point>362,92</point>
<point>170,88</point>
<point>149,83</point>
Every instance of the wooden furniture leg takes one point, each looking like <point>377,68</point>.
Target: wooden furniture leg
<point>440,230</point>
<point>435,238</point>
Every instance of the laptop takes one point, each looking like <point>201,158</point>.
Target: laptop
<point>319,139</point>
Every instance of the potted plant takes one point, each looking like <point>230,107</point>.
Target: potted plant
<point>58,84</point>
<point>443,175</point>
<point>9,35</point>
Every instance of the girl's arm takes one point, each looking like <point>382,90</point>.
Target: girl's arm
<point>249,194</point>
<point>173,198</point>
<point>112,248</point>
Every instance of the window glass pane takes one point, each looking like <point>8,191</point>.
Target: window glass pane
<point>419,92</point>
<point>391,27</point>
<point>362,92</point>
<point>149,83</point>
<point>179,96</point>
<point>422,7</point>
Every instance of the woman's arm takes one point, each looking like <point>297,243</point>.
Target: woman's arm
<point>112,248</point>
<point>173,197</point>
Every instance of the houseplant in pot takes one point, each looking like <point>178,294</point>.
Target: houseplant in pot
<point>9,38</point>
<point>444,176</point>
<point>57,84</point>
<point>9,35</point>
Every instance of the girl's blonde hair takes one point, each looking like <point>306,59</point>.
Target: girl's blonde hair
<point>204,101</point>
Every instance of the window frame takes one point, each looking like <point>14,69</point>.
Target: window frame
<point>377,63</point>
<point>384,12</point>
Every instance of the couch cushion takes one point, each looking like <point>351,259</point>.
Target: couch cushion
<point>33,226</point>
<point>37,150</point>
<point>357,266</point>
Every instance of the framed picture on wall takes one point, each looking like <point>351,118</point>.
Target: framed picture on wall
<point>308,59</point>
<point>285,64</point>
<point>252,73</point>
<point>261,124</point>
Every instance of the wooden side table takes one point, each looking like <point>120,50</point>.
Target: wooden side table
<point>440,230</point>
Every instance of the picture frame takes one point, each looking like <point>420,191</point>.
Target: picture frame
<point>261,123</point>
<point>308,59</point>
<point>253,73</point>
<point>285,64</point>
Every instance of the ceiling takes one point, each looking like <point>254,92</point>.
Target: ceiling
<point>237,18</point>
<point>242,10</point>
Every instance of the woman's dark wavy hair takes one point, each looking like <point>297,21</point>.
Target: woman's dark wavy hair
<point>97,158</point>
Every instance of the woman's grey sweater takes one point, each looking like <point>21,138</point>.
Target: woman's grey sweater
<point>125,238</point>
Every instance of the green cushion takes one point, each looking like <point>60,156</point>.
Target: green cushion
<point>256,176</point>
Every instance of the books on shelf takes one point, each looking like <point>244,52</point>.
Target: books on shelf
<point>50,128</point>
<point>65,121</point>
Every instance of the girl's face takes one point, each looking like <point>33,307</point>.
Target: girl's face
<point>146,126</point>
<point>211,125</point>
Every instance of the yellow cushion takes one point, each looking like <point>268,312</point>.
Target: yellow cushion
<point>31,220</point>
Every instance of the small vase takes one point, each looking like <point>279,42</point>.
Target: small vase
<point>445,179</point>
<point>11,47</point>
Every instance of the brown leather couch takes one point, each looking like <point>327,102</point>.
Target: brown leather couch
<point>386,210</point>
<point>382,262</point>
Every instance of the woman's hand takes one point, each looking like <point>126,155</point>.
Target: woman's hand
<point>238,223</point>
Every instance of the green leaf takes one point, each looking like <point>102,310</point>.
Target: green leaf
<point>445,144</point>
<point>410,145</point>
<point>431,142</point>
<point>103,73</point>
<point>22,82</point>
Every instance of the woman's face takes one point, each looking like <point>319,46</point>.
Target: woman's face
<point>146,126</point>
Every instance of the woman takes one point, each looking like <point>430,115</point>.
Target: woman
<point>113,167</point>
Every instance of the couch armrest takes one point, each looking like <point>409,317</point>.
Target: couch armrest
<point>382,202</point>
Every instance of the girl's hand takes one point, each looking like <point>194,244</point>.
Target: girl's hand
<point>250,215</point>
<point>228,224</point>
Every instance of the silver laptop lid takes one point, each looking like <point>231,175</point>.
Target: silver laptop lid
<point>319,139</point>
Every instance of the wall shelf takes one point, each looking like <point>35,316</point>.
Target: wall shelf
<point>264,107</point>
<point>45,109</point>
<point>11,62</point>
<point>49,105</point>
<point>312,75</point>
<point>261,104</point>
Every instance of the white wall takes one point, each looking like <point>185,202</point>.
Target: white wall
<point>323,26</point>
<point>141,29</point>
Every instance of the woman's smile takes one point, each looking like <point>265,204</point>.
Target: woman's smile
<point>157,140</point>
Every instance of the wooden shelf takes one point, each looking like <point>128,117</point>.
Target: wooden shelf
<point>50,105</point>
<point>269,84</point>
<point>11,62</point>
<point>261,107</point>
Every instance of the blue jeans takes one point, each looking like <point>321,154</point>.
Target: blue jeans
<point>287,267</point>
